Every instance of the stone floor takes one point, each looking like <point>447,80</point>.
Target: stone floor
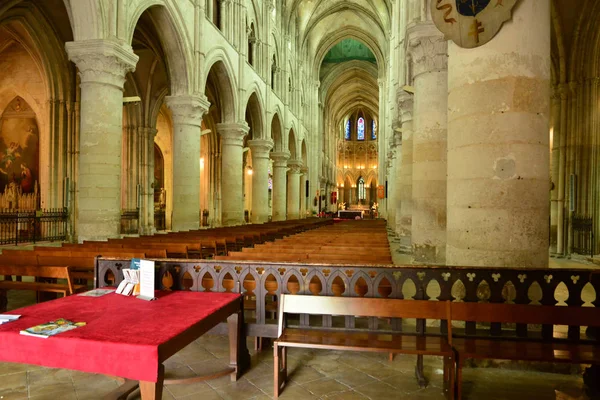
<point>314,374</point>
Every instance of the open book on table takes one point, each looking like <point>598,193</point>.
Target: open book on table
<point>51,328</point>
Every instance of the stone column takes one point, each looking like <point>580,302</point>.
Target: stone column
<point>102,66</point>
<point>187,114</point>
<point>280,160</point>
<point>147,207</point>
<point>391,179</point>
<point>232,172</point>
<point>430,61</point>
<point>260,179</point>
<point>293,189</point>
<point>397,186</point>
<point>498,145</point>
<point>303,179</point>
<point>405,103</point>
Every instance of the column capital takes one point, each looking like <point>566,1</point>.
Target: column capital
<point>295,166</point>
<point>280,159</point>
<point>260,148</point>
<point>102,61</point>
<point>428,48</point>
<point>189,109</point>
<point>398,138</point>
<point>233,134</point>
<point>149,132</point>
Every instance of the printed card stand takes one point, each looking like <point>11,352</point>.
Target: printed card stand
<point>146,280</point>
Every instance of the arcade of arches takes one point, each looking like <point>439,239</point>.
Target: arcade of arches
<point>217,113</point>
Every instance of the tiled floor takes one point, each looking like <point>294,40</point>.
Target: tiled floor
<point>314,374</point>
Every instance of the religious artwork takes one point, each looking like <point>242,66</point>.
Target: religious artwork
<point>347,132</point>
<point>360,129</point>
<point>19,149</point>
<point>471,23</point>
<point>374,130</point>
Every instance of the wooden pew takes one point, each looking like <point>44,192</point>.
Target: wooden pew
<point>40,273</point>
<point>361,340</point>
<point>504,347</point>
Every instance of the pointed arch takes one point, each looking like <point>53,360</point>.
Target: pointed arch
<point>219,71</point>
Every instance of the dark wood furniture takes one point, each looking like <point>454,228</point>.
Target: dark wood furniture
<point>361,340</point>
<point>126,337</point>
<point>544,348</point>
<point>65,288</point>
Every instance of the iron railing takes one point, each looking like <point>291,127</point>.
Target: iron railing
<point>33,226</point>
<point>583,235</point>
<point>160,219</point>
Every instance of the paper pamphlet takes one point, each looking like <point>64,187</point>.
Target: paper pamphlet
<point>4,318</point>
<point>146,279</point>
<point>96,292</point>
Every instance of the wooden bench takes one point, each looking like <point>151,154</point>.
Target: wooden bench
<point>361,340</point>
<point>54,272</point>
<point>550,349</point>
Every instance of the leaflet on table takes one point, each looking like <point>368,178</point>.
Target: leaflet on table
<point>131,277</point>
<point>96,292</point>
<point>138,280</point>
<point>52,328</point>
<point>146,280</point>
<point>4,318</point>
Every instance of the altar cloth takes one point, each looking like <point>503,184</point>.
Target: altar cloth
<point>122,336</point>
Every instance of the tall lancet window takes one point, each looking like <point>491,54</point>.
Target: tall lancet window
<point>374,131</point>
<point>360,129</point>
<point>362,193</point>
<point>347,132</point>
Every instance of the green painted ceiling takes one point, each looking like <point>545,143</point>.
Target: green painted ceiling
<point>349,49</point>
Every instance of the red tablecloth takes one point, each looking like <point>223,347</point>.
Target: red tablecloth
<point>122,335</point>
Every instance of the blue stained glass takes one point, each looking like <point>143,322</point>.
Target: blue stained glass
<point>374,131</point>
<point>347,133</point>
<point>360,135</point>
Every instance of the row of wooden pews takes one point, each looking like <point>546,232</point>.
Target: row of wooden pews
<point>360,242</point>
<point>73,264</point>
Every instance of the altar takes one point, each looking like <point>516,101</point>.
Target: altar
<point>351,214</point>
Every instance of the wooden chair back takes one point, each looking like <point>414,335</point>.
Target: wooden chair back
<point>363,307</point>
<point>56,272</point>
<point>526,314</point>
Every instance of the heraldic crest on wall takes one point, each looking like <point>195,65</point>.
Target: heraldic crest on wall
<point>471,23</point>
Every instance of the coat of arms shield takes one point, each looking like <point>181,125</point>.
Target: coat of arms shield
<point>471,23</point>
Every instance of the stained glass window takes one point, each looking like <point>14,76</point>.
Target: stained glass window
<point>362,193</point>
<point>347,133</point>
<point>360,135</point>
<point>374,131</point>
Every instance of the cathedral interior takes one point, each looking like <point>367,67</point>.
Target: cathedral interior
<point>140,117</point>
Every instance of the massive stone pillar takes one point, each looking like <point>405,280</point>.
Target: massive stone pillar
<point>498,145</point>
<point>405,103</point>
<point>303,180</point>
<point>397,188</point>
<point>232,172</point>
<point>293,189</point>
<point>102,66</point>
<point>430,62</point>
<point>187,114</point>
<point>390,177</point>
<point>147,209</point>
<point>260,179</point>
<point>279,184</point>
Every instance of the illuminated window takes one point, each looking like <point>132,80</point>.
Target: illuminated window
<point>374,131</point>
<point>360,132</point>
<point>362,193</point>
<point>347,133</point>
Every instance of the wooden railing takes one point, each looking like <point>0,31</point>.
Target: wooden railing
<point>262,283</point>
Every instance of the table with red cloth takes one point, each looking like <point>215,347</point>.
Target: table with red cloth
<point>125,337</point>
